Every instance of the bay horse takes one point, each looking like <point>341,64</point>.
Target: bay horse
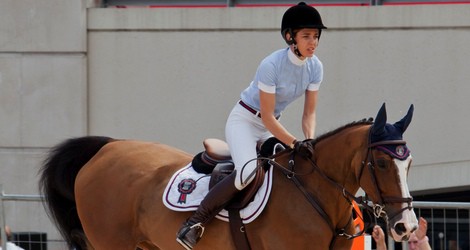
<point>106,193</point>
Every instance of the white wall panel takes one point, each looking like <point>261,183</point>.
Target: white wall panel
<point>42,26</point>
<point>43,99</point>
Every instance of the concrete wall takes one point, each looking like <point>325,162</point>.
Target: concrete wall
<point>43,95</point>
<point>172,75</point>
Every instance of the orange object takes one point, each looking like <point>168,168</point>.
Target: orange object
<point>359,243</point>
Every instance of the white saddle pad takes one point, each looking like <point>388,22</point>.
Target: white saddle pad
<point>187,188</point>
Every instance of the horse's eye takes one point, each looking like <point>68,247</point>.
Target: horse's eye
<point>382,163</point>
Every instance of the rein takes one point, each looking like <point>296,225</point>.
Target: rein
<point>292,175</point>
<point>378,209</point>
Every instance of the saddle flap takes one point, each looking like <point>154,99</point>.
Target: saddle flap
<point>220,171</point>
<point>244,197</point>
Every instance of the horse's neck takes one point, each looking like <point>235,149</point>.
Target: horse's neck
<point>339,158</point>
<point>288,197</point>
<point>336,156</point>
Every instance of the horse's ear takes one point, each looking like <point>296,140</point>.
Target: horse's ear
<point>379,124</point>
<point>405,121</point>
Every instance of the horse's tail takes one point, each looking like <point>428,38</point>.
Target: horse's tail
<point>57,182</point>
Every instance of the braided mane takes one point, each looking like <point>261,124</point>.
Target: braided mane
<point>365,121</point>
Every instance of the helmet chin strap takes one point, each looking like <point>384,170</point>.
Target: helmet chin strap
<point>292,41</point>
<point>296,50</point>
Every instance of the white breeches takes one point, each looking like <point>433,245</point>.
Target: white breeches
<point>243,131</point>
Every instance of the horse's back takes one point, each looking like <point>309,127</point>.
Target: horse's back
<point>119,202</point>
<point>121,186</point>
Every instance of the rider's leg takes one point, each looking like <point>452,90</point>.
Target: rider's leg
<point>213,203</point>
<point>242,131</point>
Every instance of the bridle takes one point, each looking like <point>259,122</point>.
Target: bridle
<point>377,209</point>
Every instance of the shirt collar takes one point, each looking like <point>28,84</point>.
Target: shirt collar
<point>294,59</point>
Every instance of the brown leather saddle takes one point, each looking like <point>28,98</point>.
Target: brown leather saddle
<point>217,161</point>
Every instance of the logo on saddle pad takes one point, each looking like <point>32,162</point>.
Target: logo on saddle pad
<point>185,187</point>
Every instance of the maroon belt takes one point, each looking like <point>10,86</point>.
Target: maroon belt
<point>252,110</point>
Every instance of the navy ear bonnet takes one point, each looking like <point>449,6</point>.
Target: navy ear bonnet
<point>398,151</point>
<point>383,131</point>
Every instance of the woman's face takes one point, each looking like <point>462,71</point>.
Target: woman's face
<point>307,41</point>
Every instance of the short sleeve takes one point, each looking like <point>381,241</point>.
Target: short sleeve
<point>266,77</point>
<point>317,76</point>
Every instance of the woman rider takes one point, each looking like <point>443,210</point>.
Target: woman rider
<point>281,78</point>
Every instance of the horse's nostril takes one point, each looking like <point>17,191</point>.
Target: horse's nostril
<point>400,228</point>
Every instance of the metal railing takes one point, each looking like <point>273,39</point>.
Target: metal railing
<point>14,198</point>
<point>448,223</point>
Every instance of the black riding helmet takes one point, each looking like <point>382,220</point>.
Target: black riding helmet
<point>298,17</point>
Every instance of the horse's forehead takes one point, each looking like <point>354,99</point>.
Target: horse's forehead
<point>402,168</point>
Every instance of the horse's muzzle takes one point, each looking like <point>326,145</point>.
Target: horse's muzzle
<point>402,229</point>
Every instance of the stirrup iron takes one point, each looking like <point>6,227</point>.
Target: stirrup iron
<point>199,224</point>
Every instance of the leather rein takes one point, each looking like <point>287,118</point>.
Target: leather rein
<point>378,209</point>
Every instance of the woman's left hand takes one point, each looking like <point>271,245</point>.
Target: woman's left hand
<point>304,148</point>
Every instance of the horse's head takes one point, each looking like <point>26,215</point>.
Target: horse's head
<point>384,174</point>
